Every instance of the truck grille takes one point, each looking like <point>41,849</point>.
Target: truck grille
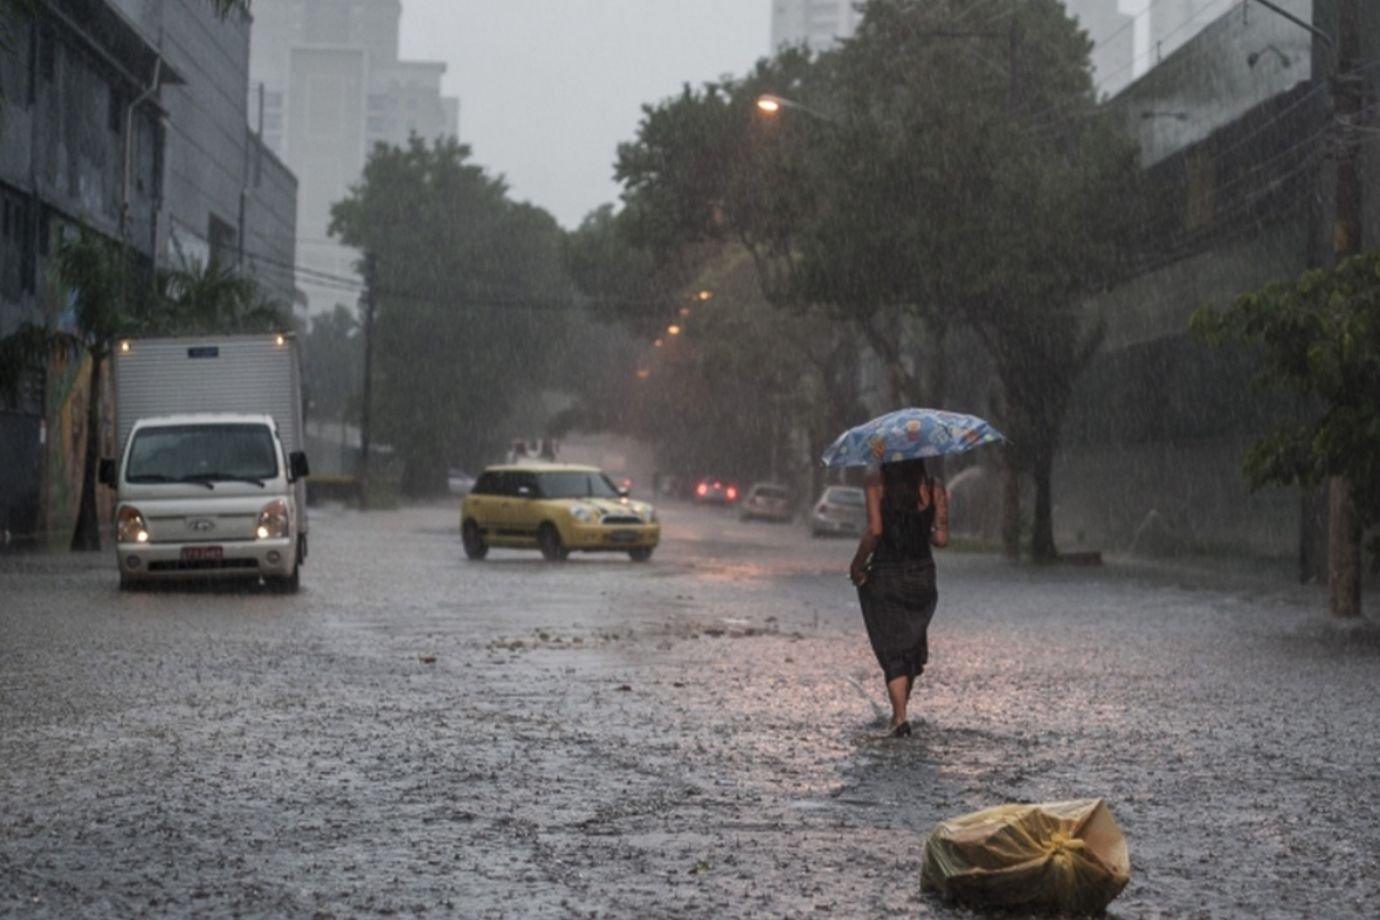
<point>202,565</point>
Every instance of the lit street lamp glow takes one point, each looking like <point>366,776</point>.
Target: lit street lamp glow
<point>771,104</point>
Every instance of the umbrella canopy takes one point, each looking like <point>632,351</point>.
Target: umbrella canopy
<point>909,433</point>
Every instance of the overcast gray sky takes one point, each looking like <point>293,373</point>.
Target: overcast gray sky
<point>548,88</point>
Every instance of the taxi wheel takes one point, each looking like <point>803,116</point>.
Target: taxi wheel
<point>550,542</point>
<point>475,547</point>
<point>641,554</point>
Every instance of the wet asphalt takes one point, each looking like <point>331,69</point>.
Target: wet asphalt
<point>414,734</point>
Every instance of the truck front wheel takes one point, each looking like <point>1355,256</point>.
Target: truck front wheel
<point>286,584</point>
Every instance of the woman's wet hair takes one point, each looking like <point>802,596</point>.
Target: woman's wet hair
<point>901,481</point>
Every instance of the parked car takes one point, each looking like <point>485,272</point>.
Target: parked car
<point>558,509</point>
<point>768,501</point>
<point>840,510</point>
<point>713,491</point>
<point>458,482</point>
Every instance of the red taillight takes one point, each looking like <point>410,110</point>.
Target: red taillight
<point>732,493</point>
<point>701,489</point>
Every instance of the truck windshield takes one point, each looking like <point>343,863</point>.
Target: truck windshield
<point>202,453</point>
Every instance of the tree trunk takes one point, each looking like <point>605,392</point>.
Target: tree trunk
<point>1344,550</point>
<point>1042,547</point>
<point>1011,506</point>
<point>87,534</point>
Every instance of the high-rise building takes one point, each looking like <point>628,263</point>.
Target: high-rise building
<point>818,24</point>
<point>1129,36</point>
<point>328,84</point>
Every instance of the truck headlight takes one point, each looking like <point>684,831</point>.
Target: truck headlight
<point>130,526</point>
<point>274,520</point>
<point>582,514</point>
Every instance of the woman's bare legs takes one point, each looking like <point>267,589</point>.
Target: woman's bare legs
<point>898,691</point>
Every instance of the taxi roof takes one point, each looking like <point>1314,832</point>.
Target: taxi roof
<point>541,468</point>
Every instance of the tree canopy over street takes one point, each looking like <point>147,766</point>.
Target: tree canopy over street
<point>917,181</point>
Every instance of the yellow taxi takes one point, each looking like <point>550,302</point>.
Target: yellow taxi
<point>558,508</point>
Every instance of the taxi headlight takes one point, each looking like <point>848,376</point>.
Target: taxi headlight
<point>274,520</point>
<point>130,526</point>
<point>582,514</point>
<point>650,514</point>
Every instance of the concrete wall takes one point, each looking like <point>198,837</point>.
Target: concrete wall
<point>1154,443</point>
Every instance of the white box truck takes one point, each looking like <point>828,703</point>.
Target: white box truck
<point>211,477</point>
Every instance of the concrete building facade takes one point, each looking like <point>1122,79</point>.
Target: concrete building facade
<point>328,84</point>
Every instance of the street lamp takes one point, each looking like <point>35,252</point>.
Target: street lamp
<point>771,104</point>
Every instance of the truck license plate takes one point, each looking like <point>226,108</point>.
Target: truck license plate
<point>202,553</point>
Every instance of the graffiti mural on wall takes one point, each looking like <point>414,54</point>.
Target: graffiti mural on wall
<point>69,386</point>
<point>68,390</point>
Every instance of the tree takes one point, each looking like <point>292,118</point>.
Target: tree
<point>939,162</point>
<point>472,299</point>
<point>332,353</point>
<point>1319,337</point>
<point>208,299</point>
<point>897,190</point>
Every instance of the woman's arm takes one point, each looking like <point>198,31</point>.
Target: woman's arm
<point>872,488</point>
<point>939,533</point>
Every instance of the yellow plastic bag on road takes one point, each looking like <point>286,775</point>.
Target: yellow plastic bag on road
<point>1059,857</point>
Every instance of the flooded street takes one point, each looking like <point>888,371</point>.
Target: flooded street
<point>700,736</point>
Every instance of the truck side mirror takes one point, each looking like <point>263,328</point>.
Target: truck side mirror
<point>106,472</point>
<point>297,462</point>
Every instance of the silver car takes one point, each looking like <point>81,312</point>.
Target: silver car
<point>767,501</point>
<point>840,510</point>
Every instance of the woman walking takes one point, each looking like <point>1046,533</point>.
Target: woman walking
<point>907,514</point>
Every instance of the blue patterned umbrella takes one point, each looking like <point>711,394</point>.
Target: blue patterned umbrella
<point>909,433</point>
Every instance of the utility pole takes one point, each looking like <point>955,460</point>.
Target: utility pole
<point>370,280</point>
<point>1343,526</point>
<point>1346,90</point>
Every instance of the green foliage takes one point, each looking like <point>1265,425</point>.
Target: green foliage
<point>210,299</point>
<point>473,301</point>
<point>333,359</point>
<point>927,172</point>
<point>1319,338</point>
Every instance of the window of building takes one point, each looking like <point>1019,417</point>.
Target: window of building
<point>115,111</point>
<point>16,245</point>
<point>220,236</point>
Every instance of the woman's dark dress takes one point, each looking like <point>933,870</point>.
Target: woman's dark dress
<point>899,596</point>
